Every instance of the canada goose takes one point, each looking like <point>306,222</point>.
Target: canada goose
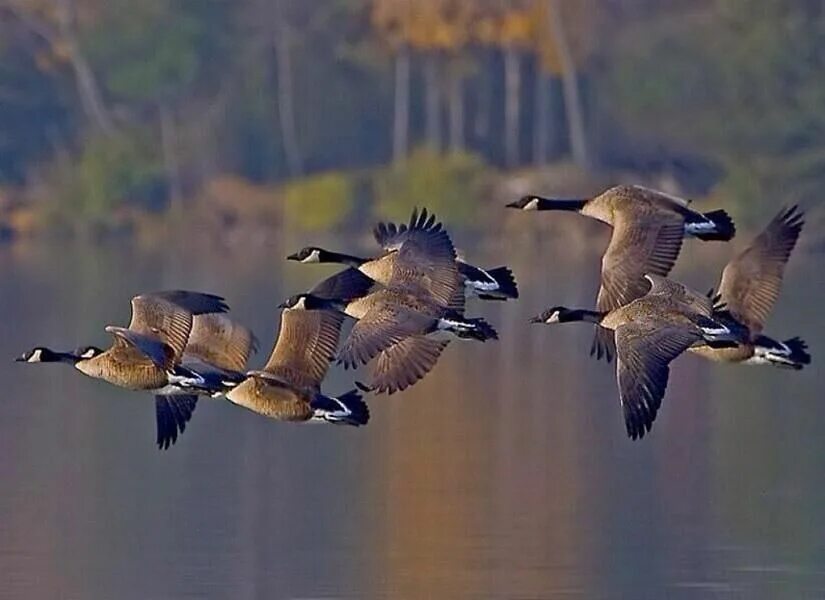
<point>404,330</point>
<point>288,388</point>
<point>649,333</point>
<point>423,263</point>
<point>749,289</point>
<point>635,200</point>
<point>213,362</point>
<point>648,227</point>
<point>396,367</point>
<point>146,355</point>
<point>486,284</point>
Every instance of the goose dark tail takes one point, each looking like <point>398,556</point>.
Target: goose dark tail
<point>346,409</point>
<point>475,329</point>
<point>507,287</point>
<point>790,354</point>
<point>715,225</point>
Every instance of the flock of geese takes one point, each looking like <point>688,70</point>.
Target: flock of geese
<point>409,302</point>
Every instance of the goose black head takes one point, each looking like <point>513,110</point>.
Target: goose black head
<point>40,354</point>
<point>310,254</point>
<point>551,315</point>
<point>87,352</point>
<point>307,301</point>
<point>558,314</point>
<point>526,203</point>
<point>561,314</point>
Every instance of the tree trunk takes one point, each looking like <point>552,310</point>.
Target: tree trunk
<point>456,112</point>
<point>88,88</point>
<point>64,37</point>
<point>401,112</point>
<point>432,117</point>
<point>570,87</point>
<point>169,148</point>
<point>89,92</point>
<point>541,118</point>
<point>481,121</point>
<point>512,102</point>
<point>286,94</point>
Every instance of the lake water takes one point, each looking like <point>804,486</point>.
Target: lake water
<point>505,473</point>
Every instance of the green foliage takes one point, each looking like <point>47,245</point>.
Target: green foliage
<point>734,81</point>
<point>450,185</point>
<point>109,172</point>
<point>741,82</point>
<point>319,202</point>
<point>143,67</point>
<point>34,110</point>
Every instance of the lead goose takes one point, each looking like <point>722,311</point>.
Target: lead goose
<point>648,227</point>
<point>147,355</point>
<point>288,388</point>
<point>750,287</point>
<point>487,284</point>
<point>649,333</point>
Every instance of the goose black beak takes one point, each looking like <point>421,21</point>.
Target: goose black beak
<point>293,257</point>
<point>516,204</point>
<point>536,320</point>
<point>20,358</point>
<point>282,305</point>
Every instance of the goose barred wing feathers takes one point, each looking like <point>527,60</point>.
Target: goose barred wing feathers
<point>306,345</point>
<point>637,247</point>
<point>168,315</point>
<point>221,342</point>
<point>751,282</point>
<point>424,259</point>
<point>645,351</point>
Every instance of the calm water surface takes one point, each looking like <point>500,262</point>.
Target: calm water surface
<point>504,474</point>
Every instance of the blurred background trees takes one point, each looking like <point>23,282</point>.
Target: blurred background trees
<point>112,105</point>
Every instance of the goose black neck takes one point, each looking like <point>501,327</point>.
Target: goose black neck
<point>61,357</point>
<point>314,302</point>
<point>581,314</point>
<point>550,204</point>
<point>344,259</point>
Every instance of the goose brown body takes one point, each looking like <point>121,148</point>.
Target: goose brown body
<point>624,200</point>
<point>126,367</point>
<point>288,388</point>
<point>273,398</point>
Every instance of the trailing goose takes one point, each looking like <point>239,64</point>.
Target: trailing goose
<point>288,388</point>
<point>422,232</point>
<point>148,354</point>
<point>649,333</point>
<point>648,227</point>
<point>213,362</point>
<point>749,288</point>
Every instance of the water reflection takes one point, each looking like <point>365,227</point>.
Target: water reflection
<point>505,473</point>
